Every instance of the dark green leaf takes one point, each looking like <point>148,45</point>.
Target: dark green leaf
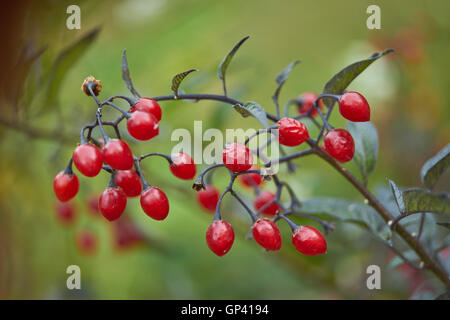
<point>347,211</point>
<point>65,60</point>
<point>343,78</point>
<point>281,79</point>
<point>178,78</point>
<point>252,109</point>
<point>366,146</point>
<point>126,75</point>
<point>444,224</point>
<point>397,196</point>
<point>226,61</point>
<point>422,200</point>
<point>435,167</point>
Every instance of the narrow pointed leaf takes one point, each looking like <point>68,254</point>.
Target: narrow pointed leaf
<point>178,78</point>
<point>252,109</point>
<point>126,75</point>
<point>226,61</point>
<point>435,167</point>
<point>281,79</point>
<point>397,196</point>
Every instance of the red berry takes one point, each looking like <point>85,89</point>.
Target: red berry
<point>92,204</point>
<point>208,198</point>
<point>86,242</point>
<point>263,199</point>
<point>339,144</point>
<point>354,107</point>
<point>306,102</point>
<point>309,241</point>
<point>267,234</point>
<point>148,105</point>
<point>155,204</point>
<point>142,125</point>
<point>112,203</point>
<point>292,132</point>
<point>118,154</point>
<point>65,212</point>
<point>220,237</point>
<point>237,157</point>
<point>88,159</point>
<point>126,234</point>
<point>129,182</point>
<point>65,186</point>
<point>183,166</point>
<point>251,179</point>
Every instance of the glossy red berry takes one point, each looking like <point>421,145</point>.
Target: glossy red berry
<point>309,241</point>
<point>251,179</point>
<point>148,105</point>
<point>208,198</point>
<point>237,157</point>
<point>65,212</point>
<point>112,203</point>
<point>155,204</point>
<point>86,242</point>
<point>306,102</point>
<point>339,144</point>
<point>267,234</point>
<point>65,186</point>
<point>354,107</point>
<point>142,125</point>
<point>118,154</point>
<point>220,237</point>
<point>183,166</point>
<point>129,182</point>
<point>292,132</point>
<point>262,200</point>
<point>87,158</point>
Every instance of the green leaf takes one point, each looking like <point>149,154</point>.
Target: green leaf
<point>435,167</point>
<point>347,211</point>
<point>397,196</point>
<point>252,109</point>
<point>178,78</point>
<point>366,146</point>
<point>341,80</point>
<point>226,61</point>
<point>444,224</point>
<point>422,200</point>
<point>126,75</point>
<point>65,60</point>
<point>281,79</point>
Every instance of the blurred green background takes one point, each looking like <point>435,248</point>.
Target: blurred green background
<point>408,93</point>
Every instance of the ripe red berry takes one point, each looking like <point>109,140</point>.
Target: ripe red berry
<point>65,186</point>
<point>306,102</point>
<point>86,242</point>
<point>148,105</point>
<point>129,182</point>
<point>354,107</point>
<point>112,203</point>
<point>88,159</point>
<point>251,179</point>
<point>263,199</point>
<point>118,154</point>
<point>309,241</point>
<point>267,234</point>
<point>208,198</point>
<point>183,166</point>
<point>292,132</point>
<point>155,204</point>
<point>142,125</point>
<point>339,144</point>
<point>237,157</point>
<point>220,237</point>
<point>65,212</point>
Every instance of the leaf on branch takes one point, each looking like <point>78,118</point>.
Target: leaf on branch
<point>422,200</point>
<point>366,146</point>
<point>177,79</point>
<point>397,196</point>
<point>252,109</point>
<point>226,61</point>
<point>347,211</point>
<point>444,224</point>
<point>435,167</point>
<point>281,79</point>
<point>126,75</point>
<point>65,60</point>
<point>340,81</point>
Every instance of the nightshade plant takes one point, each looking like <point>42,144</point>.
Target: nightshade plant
<point>357,142</point>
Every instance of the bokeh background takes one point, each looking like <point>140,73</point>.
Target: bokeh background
<point>39,127</point>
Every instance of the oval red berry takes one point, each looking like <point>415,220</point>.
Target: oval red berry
<point>129,182</point>
<point>142,125</point>
<point>155,204</point>
<point>112,203</point>
<point>339,144</point>
<point>267,234</point>
<point>87,158</point>
<point>354,107</point>
<point>262,201</point>
<point>183,166</point>
<point>309,241</point>
<point>220,237</point>
<point>292,132</point>
<point>118,154</point>
<point>65,186</point>
<point>208,198</point>
<point>148,105</point>
<point>237,157</point>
